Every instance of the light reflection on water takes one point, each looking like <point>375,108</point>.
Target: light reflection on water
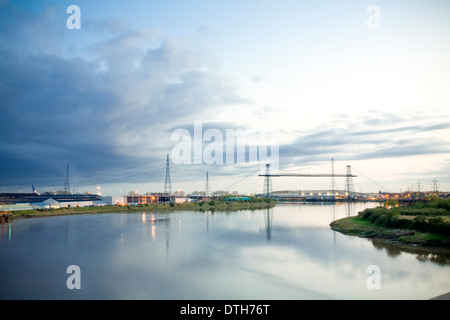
<point>288,252</point>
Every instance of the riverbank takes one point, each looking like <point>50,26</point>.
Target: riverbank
<point>412,226</point>
<point>162,207</point>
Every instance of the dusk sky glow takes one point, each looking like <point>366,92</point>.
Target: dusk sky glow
<point>107,97</point>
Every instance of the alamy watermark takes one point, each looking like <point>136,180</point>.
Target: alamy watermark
<point>74,20</point>
<point>373,22</point>
<point>74,280</point>
<point>226,146</point>
<point>374,280</point>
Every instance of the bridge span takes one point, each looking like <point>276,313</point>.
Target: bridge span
<point>268,175</point>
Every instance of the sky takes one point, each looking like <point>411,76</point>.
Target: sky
<point>365,83</point>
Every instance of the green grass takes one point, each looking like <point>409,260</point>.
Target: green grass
<point>359,227</point>
<point>352,225</point>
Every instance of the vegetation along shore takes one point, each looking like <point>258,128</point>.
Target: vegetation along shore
<point>418,224</point>
<point>212,205</point>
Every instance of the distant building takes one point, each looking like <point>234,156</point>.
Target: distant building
<point>237,199</point>
<point>68,203</point>
<point>145,199</point>
<point>40,205</point>
<point>106,199</point>
<point>28,201</point>
<point>184,200</point>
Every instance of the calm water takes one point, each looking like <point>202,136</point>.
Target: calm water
<point>288,252</point>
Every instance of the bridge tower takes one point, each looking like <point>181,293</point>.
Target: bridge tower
<point>267,182</point>
<point>349,183</point>
<point>167,184</point>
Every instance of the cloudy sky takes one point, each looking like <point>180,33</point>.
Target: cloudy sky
<point>364,82</point>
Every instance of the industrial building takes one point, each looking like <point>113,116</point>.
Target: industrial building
<point>28,201</point>
<point>136,199</point>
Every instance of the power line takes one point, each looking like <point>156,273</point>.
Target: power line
<point>371,180</point>
<point>244,178</point>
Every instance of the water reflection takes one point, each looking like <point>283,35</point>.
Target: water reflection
<point>207,216</point>
<point>155,221</point>
<point>5,231</point>
<point>440,256</point>
<point>268,217</point>
<point>286,252</point>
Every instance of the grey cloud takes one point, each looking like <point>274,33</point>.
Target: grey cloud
<point>415,128</point>
<point>402,151</point>
<point>30,31</point>
<point>97,26</point>
<point>109,111</point>
<point>361,142</point>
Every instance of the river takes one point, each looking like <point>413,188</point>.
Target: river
<point>287,252</point>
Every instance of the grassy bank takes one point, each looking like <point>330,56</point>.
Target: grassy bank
<point>413,225</point>
<point>199,206</point>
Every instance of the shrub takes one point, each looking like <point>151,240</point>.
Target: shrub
<point>373,214</point>
<point>434,225</point>
<point>419,223</point>
<point>438,225</point>
<point>426,220</point>
<point>444,204</point>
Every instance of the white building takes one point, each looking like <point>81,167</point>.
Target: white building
<point>67,204</point>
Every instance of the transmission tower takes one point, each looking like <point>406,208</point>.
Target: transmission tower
<point>333,179</point>
<point>207,189</point>
<point>267,182</point>
<point>349,183</point>
<point>67,182</point>
<point>167,184</point>
<point>419,187</point>
<point>435,186</point>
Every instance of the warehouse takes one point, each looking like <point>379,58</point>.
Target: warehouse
<point>27,201</point>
